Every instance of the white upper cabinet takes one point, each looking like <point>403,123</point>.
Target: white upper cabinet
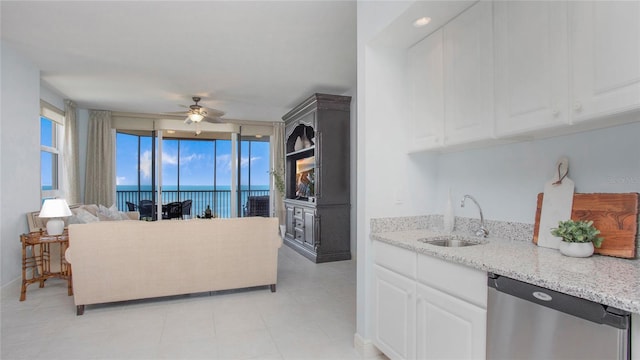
<point>605,50</point>
<point>426,81</point>
<point>531,68</point>
<point>468,69</point>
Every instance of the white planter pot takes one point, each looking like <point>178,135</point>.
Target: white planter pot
<point>576,249</point>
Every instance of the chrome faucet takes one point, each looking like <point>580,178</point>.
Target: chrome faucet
<point>482,231</point>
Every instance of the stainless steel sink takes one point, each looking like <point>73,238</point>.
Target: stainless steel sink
<point>450,241</point>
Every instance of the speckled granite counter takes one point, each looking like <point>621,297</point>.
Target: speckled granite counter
<point>607,280</point>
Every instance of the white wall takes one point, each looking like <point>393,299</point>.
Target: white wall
<point>374,121</point>
<point>51,96</point>
<point>19,154</point>
<point>506,179</point>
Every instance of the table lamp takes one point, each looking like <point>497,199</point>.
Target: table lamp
<point>55,209</point>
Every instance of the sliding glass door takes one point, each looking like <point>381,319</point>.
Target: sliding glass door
<point>200,170</point>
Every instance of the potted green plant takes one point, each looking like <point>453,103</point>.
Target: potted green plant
<point>578,237</point>
<point>278,180</point>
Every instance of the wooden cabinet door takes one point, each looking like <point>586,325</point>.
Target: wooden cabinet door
<point>447,327</point>
<point>531,65</point>
<point>289,222</point>
<point>309,229</point>
<point>468,75</point>
<point>426,93</point>
<point>605,50</point>
<point>393,313</point>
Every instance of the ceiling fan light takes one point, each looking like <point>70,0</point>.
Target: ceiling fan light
<point>195,117</point>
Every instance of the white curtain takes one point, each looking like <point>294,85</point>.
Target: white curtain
<point>70,154</point>
<point>277,153</point>
<point>100,177</point>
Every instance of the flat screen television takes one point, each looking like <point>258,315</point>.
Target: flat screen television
<point>305,178</point>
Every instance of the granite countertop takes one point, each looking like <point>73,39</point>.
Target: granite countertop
<point>603,279</point>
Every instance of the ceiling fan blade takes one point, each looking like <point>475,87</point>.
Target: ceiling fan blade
<point>213,120</point>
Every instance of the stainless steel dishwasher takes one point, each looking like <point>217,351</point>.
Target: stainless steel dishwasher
<point>530,322</point>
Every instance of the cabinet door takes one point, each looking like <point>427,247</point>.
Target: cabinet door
<point>289,222</point>
<point>468,70</point>
<point>605,49</point>
<point>394,313</point>
<point>425,70</point>
<point>531,68</point>
<point>447,327</point>
<point>309,227</point>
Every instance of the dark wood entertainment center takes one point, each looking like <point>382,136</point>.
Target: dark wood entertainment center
<point>317,177</point>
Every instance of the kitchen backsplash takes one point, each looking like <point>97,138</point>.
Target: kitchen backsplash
<point>502,229</point>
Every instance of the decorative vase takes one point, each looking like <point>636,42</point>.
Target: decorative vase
<point>305,142</point>
<point>298,145</point>
<point>574,249</point>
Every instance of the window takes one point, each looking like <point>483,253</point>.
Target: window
<point>51,135</point>
<point>192,169</point>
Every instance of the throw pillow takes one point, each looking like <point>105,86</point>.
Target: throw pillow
<point>111,213</point>
<point>85,217</point>
<point>91,208</point>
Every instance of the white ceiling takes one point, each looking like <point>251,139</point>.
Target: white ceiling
<point>254,60</point>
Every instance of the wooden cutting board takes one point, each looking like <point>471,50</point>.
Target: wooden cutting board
<point>615,215</point>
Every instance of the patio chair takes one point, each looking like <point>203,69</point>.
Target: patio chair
<point>172,210</point>
<point>131,206</point>
<point>186,208</point>
<point>146,209</point>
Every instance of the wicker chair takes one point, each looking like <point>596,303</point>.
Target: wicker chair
<point>131,206</point>
<point>146,209</point>
<point>172,210</point>
<point>186,208</point>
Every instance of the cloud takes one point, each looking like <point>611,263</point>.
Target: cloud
<point>245,161</point>
<point>167,159</point>
<point>190,158</point>
<point>120,180</point>
<point>145,164</point>
<point>223,163</point>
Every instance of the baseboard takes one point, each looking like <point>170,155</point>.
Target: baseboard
<point>365,347</point>
<point>17,280</point>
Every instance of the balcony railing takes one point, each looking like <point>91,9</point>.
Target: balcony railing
<point>218,200</point>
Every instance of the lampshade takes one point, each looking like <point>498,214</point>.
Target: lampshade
<point>195,117</point>
<point>55,208</point>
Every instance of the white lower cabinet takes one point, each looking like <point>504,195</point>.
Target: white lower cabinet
<point>447,327</point>
<point>427,308</point>
<point>394,313</point>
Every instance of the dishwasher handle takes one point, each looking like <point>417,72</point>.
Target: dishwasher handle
<point>582,308</point>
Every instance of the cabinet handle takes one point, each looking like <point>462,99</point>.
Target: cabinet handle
<point>577,106</point>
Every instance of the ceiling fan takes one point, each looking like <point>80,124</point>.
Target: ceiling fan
<point>198,113</point>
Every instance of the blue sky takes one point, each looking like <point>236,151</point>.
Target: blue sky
<point>196,158</point>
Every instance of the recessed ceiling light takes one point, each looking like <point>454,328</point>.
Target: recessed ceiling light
<point>423,21</point>
<point>171,131</point>
<point>258,136</point>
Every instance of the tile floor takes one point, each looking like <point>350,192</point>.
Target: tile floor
<point>311,316</point>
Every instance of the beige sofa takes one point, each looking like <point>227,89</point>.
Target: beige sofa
<point>127,260</point>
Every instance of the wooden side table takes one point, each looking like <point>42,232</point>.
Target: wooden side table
<point>39,261</point>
